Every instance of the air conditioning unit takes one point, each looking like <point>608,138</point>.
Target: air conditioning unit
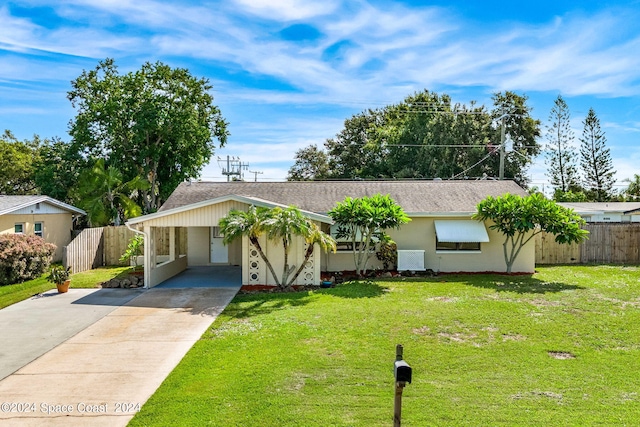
<point>410,260</point>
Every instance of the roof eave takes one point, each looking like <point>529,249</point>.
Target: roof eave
<point>440,214</point>
<point>222,199</point>
<point>46,199</point>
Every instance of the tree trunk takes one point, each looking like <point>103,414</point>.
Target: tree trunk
<point>307,255</point>
<point>254,241</point>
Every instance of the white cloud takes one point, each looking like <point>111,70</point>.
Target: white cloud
<point>287,10</point>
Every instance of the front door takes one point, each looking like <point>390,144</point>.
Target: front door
<point>219,252</point>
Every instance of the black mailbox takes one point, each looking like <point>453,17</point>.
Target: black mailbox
<point>402,371</point>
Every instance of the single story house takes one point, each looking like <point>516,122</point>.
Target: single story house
<point>441,235</point>
<point>42,216</point>
<point>606,211</point>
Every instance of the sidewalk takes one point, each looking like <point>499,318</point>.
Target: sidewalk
<point>105,373</point>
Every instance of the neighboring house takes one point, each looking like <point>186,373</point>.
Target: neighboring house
<point>441,235</point>
<point>606,211</point>
<point>42,216</point>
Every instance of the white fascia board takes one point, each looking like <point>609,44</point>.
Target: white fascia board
<point>440,214</point>
<point>222,199</point>
<point>44,199</point>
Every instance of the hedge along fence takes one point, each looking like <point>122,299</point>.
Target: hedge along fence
<point>608,243</point>
<point>98,246</point>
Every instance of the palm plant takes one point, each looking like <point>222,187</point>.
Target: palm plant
<point>277,224</point>
<point>105,196</point>
<point>315,236</point>
<point>251,224</point>
<point>283,225</point>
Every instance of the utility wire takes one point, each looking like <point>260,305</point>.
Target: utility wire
<point>471,167</point>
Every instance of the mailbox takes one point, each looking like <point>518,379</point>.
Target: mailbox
<point>402,371</point>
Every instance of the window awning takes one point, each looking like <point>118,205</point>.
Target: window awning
<point>461,231</point>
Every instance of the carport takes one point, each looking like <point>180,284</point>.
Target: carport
<point>217,276</point>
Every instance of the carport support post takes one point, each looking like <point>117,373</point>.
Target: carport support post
<point>397,403</point>
<point>172,243</point>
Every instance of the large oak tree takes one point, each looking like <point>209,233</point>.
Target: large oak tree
<point>158,123</point>
<point>427,136</point>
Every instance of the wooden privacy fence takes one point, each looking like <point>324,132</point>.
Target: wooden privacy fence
<point>98,246</point>
<point>84,252</point>
<point>608,243</point>
<point>116,240</point>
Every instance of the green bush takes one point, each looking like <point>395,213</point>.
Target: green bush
<point>23,257</point>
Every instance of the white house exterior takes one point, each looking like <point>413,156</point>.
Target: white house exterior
<point>441,235</point>
<point>606,211</point>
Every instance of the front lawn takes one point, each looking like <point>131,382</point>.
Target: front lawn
<point>11,294</point>
<point>559,348</point>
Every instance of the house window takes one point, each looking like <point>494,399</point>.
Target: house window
<point>460,235</point>
<point>457,246</point>
<point>38,229</point>
<point>345,244</point>
<point>18,228</point>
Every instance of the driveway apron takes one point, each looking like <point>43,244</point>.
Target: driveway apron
<point>102,375</point>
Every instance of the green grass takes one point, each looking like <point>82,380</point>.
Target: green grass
<point>11,294</point>
<point>484,351</point>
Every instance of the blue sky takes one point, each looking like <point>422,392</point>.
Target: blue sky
<point>287,73</point>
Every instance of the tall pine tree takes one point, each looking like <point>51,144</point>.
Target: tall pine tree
<point>561,158</point>
<point>595,160</point>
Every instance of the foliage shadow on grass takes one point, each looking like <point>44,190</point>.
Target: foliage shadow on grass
<point>356,289</point>
<point>523,284</point>
<point>264,303</point>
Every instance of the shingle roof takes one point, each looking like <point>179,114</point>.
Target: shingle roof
<point>415,197</point>
<point>13,203</point>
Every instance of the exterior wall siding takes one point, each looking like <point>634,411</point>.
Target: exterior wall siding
<point>57,228</point>
<point>420,234</point>
<point>44,208</point>
<point>208,216</point>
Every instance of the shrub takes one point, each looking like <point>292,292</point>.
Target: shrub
<point>134,249</point>
<point>23,257</point>
<point>387,253</point>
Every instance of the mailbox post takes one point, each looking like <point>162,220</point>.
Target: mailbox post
<point>402,374</point>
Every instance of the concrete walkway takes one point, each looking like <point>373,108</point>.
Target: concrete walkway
<point>105,372</point>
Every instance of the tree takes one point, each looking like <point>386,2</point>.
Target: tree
<point>277,224</point>
<point>57,170</point>
<point>157,123</point>
<point>106,197</point>
<point>314,237</point>
<point>523,131</point>
<point>427,136</point>
<point>362,219</point>
<point>632,192</point>
<point>595,159</point>
<point>311,164</point>
<point>17,160</point>
<point>521,218</point>
<point>355,152</point>
<point>561,157</point>
<point>569,196</point>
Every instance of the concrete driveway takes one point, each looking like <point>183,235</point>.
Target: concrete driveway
<point>101,353</point>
